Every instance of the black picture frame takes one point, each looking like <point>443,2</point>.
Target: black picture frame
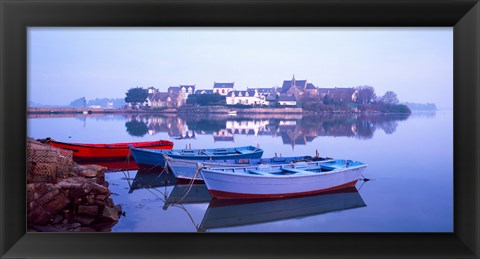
<point>17,15</point>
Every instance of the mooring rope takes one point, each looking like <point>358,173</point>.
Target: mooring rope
<point>164,170</point>
<point>126,172</point>
<point>192,181</point>
<point>188,213</point>
<point>364,180</point>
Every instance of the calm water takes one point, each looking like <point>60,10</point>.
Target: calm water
<point>410,162</point>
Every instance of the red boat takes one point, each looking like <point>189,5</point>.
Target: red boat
<point>106,152</point>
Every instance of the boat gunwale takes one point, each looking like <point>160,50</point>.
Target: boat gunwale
<point>120,145</point>
<point>267,175</point>
<point>226,163</point>
<point>195,155</point>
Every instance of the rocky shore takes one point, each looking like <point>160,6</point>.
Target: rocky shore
<point>63,196</point>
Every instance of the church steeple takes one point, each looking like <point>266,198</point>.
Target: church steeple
<point>293,80</point>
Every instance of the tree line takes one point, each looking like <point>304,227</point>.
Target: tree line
<point>366,100</point>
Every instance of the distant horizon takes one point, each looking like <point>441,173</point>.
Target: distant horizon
<point>415,63</point>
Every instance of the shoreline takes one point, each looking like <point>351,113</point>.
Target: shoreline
<point>199,109</point>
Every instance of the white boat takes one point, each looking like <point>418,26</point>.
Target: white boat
<point>184,169</point>
<point>232,113</point>
<point>286,180</point>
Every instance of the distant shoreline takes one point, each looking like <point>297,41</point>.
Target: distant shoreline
<point>196,109</point>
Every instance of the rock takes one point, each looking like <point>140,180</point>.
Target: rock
<point>47,197</point>
<point>66,226</point>
<point>100,197</point>
<point>31,187</point>
<point>98,189</point>
<point>84,229</point>
<point>90,199</point>
<point>77,187</point>
<point>71,183</point>
<point>104,226</point>
<point>95,167</point>
<point>30,192</point>
<point>31,205</point>
<point>89,173</point>
<point>39,216</point>
<point>101,179</point>
<point>108,214</point>
<point>119,209</point>
<point>88,170</point>
<point>75,225</point>
<point>43,188</point>
<point>46,228</point>
<point>100,203</point>
<point>77,201</point>
<point>36,195</point>
<point>57,203</point>
<point>98,180</point>
<point>57,219</point>
<point>62,227</point>
<point>92,180</point>
<point>84,220</point>
<point>109,202</point>
<point>78,192</point>
<point>88,210</point>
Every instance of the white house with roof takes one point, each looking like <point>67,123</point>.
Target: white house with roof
<point>187,89</point>
<point>204,91</point>
<point>223,88</point>
<point>248,97</point>
<point>172,98</point>
<point>287,100</point>
<point>247,127</point>
<point>183,90</point>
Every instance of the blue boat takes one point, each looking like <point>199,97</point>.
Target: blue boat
<point>150,157</point>
<point>189,169</point>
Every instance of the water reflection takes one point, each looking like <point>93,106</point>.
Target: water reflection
<point>151,178</point>
<point>188,194</point>
<point>114,166</point>
<point>293,129</point>
<point>232,213</point>
<point>136,128</point>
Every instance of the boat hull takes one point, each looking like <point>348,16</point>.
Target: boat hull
<point>186,170</point>
<point>108,152</point>
<point>243,186</point>
<point>150,158</point>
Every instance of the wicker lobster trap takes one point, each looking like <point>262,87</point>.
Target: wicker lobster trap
<point>46,164</point>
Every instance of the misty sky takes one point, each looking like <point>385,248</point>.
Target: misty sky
<point>65,64</point>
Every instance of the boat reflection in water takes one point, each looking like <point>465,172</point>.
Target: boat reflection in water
<point>115,166</point>
<point>159,184</point>
<point>187,194</point>
<point>152,178</point>
<point>232,213</point>
<point>179,194</point>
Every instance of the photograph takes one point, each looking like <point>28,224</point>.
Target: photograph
<point>240,129</point>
